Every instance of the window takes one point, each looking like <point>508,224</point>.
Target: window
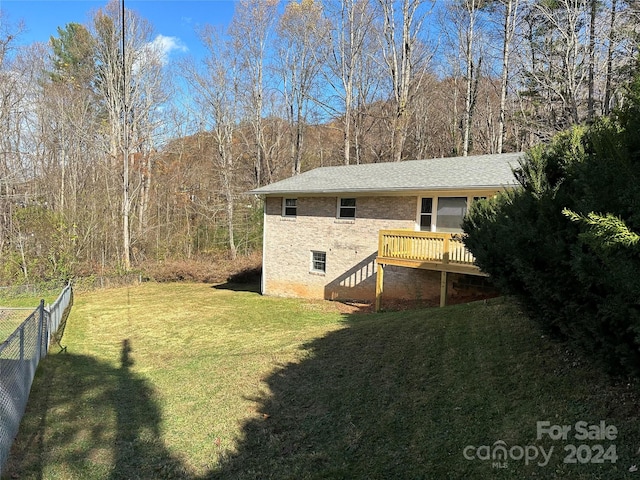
<point>450,212</point>
<point>426,212</point>
<point>347,208</point>
<point>290,207</point>
<point>318,262</point>
<point>441,214</point>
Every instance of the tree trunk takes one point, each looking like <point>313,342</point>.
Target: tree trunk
<point>592,60</point>
<point>471,79</point>
<point>610,50</point>
<point>126,212</point>
<point>511,7</point>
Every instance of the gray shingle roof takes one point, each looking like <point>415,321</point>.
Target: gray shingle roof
<point>480,171</point>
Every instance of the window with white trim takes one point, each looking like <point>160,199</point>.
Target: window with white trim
<point>426,214</point>
<point>318,261</point>
<point>347,208</point>
<point>289,207</point>
<point>441,214</point>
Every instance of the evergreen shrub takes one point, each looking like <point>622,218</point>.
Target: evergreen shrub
<point>566,243</point>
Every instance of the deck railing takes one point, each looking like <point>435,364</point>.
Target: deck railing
<point>414,246</point>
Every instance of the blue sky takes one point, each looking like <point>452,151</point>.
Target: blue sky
<point>175,20</point>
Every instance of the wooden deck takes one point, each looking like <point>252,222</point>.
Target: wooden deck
<point>426,250</point>
<point>444,252</point>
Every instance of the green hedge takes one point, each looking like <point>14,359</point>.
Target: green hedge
<point>565,243</point>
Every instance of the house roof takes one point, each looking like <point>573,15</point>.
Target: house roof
<point>473,172</point>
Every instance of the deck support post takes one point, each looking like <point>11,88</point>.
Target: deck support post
<point>379,286</point>
<point>443,288</point>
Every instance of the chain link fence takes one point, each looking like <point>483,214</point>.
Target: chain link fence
<point>20,355</point>
<point>11,318</point>
<point>30,289</point>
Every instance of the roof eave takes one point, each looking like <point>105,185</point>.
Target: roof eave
<point>372,191</point>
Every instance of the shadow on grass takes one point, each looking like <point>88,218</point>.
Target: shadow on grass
<point>355,408</point>
<point>106,423</point>
<point>246,280</point>
<point>397,395</point>
<point>253,287</point>
<point>400,395</point>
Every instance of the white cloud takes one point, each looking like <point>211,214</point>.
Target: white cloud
<point>164,46</point>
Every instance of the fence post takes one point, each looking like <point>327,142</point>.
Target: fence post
<point>41,328</point>
<point>49,323</point>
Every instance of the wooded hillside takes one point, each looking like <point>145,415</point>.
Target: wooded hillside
<point>112,158</point>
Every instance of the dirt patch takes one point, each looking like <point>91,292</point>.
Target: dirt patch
<point>333,306</point>
<point>349,308</point>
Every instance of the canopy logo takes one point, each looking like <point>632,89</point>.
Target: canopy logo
<point>500,454</point>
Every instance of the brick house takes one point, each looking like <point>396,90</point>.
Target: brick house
<point>356,232</point>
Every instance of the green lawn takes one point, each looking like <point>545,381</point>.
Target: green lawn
<point>22,305</point>
<point>190,381</point>
<point>10,320</point>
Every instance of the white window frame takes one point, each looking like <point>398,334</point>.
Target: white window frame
<point>419,214</point>
<point>313,268</point>
<point>285,206</point>
<point>340,207</point>
<point>434,208</point>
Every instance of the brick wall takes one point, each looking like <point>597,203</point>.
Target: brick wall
<point>350,245</point>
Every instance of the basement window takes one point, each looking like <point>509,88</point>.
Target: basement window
<point>318,262</point>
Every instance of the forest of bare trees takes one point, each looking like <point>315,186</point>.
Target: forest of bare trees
<point>111,159</point>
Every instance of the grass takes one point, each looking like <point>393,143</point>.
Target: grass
<point>10,320</point>
<point>16,307</point>
<point>189,381</point>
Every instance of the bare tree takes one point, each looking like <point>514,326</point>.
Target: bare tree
<point>349,74</point>
<point>251,31</point>
<point>12,94</point>
<point>556,69</point>
<point>609,60</point>
<point>216,94</point>
<point>509,11</point>
<point>405,58</point>
<point>15,171</point>
<point>622,20</point>
<point>301,55</point>
<point>463,30</point>
<point>129,75</point>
